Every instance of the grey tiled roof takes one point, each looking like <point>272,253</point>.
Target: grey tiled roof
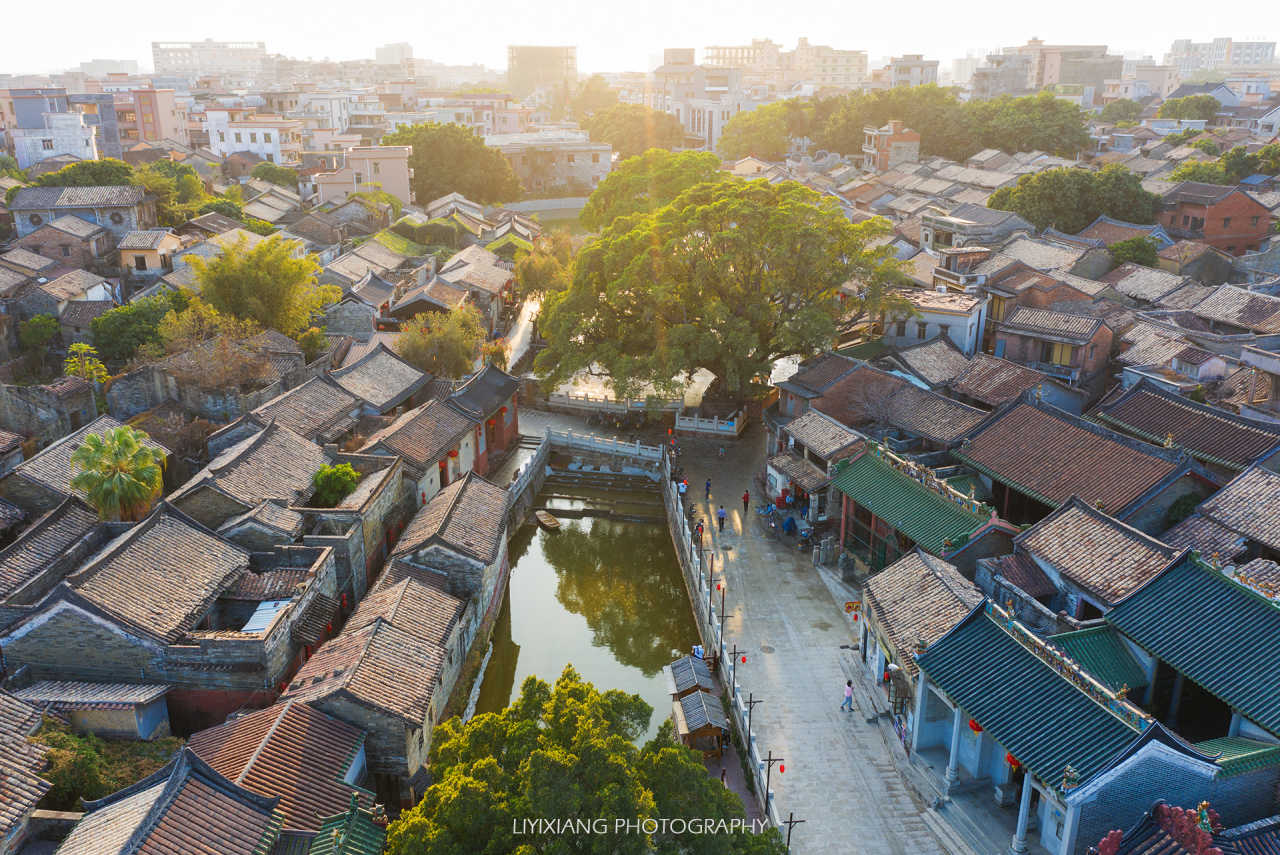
<point>381,378</point>
<point>72,284</point>
<point>311,409</point>
<point>22,763</point>
<point>487,390</point>
<point>1046,322</point>
<point>145,239</point>
<point>76,226</point>
<point>918,598</point>
<point>274,463</point>
<point>1144,283</point>
<point>1250,505</point>
<point>49,537</point>
<point>821,434</point>
<point>181,567</point>
<point>1206,536</point>
<point>936,361</point>
<point>468,517</point>
<point>69,694</point>
<point>423,434</point>
<point>41,198</point>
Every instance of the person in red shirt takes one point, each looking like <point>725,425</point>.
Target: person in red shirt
<point>746,501</point>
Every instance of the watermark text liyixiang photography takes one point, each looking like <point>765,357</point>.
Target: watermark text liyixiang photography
<point>564,826</point>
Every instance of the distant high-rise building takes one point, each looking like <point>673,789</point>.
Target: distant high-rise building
<point>912,70</point>
<point>236,60</point>
<point>1003,74</point>
<point>1188,56</point>
<point>103,67</point>
<point>1073,65</point>
<point>394,54</point>
<point>534,67</point>
<point>765,62</point>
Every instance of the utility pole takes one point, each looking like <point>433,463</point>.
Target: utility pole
<point>722,587</point>
<point>752,700</point>
<point>711,578</point>
<point>768,774</point>
<point>791,822</point>
<point>733,678</point>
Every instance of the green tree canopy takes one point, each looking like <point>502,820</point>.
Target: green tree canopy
<point>450,158</point>
<point>333,484</point>
<point>1068,199</point>
<point>118,333</point>
<point>762,132</point>
<point>1207,146</point>
<point>89,173</point>
<point>593,96</point>
<point>1139,250</point>
<point>120,475</point>
<point>34,336</point>
<point>279,175</point>
<point>730,276</point>
<point>954,129</point>
<point>1121,110</point>
<point>646,183</point>
<point>313,343</point>
<point>82,361</point>
<point>265,283</point>
<point>1207,171</point>
<point>445,344</point>
<point>566,751</point>
<point>633,129</point>
<point>1190,107</point>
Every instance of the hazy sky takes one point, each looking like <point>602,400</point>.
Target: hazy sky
<point>610,34</point>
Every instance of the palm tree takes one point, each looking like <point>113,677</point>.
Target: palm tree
<point>120,475</point>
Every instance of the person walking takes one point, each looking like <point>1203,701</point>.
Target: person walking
<point>698,529</point>
<point>720,515</point>
<point>746,501</point>
<point>847,703</point>
<point>683,487</point>
<point>708,489</point>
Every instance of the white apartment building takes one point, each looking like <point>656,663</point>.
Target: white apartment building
<point>235,60</point>
<point>555,159</point>
<point>63,133</point>
<point>765,62</point>
<point>273,138</point>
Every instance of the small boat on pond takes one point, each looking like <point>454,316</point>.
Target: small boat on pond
<point>546,520</point>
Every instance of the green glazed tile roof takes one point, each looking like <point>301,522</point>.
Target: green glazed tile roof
<point>1101,652</point>
<point>350,833</point>
<point>922,514</point>
<point>1042,717</point>
<point>1240,754</point>
<point>866,350</point>
<point>1218,633</point>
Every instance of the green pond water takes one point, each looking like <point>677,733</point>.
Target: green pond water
<point>602,595</point>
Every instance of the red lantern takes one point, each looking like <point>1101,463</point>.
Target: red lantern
<point>344,596</point>
<point>1011,760</point>
<point>492,422</point>
<point>453,452</point>
<point>781,768</point>
<point>744,660</point>
<point>502,410</point>
<point>885,677</point>
<point>328,627</point>
<point>974,726</point>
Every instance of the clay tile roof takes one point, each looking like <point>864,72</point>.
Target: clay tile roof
<point>378,666</point>
<point>290,751</point>
<point>468,517</point>
<point>1236,306</point>
<point>423,434</point>
<point>312,409</point>
<point>1026,320</point>
<point>1206,536</point>
<point>418,608</point>
<point>821,434</point>
<point>278,584</point>
<point>76,226</point>
<point>21,763</point>
<point>381,378</point>
<point>1249,505</point>
<point>52,465</point>
<point>1143,283</point>
<point>994,381</point>
<point>1184,250</point>
<point>47,539</point>
<point>182,568</point>
<point>80,313</point>
<point>818,374</point>
<point>1113,231</point>
<point>274,463</point>
<point>184,807</point>
<point>1208,433</point>
<point>144,239</point>
<point>72,284</point>
<point>1052,456</point>
<point>29,261</point>
<point>918,598</point>
<point>1097,552</point>
<point>936,361</point>
<point>868,395</point>
<point>1023,571</point>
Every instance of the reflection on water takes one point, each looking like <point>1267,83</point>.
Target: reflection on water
<point>604,595</point>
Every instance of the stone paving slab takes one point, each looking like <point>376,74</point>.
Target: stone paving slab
<point>840,776</point>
